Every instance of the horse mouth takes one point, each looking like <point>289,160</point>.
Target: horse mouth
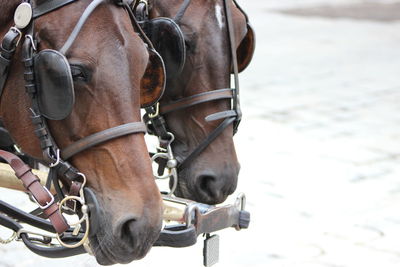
<point>108,252</point>
<point>102,252</point>
<point>110,244</point>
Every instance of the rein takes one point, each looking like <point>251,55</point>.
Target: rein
<point>71,237</point>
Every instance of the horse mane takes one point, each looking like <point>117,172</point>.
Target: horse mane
<point>8,7</point>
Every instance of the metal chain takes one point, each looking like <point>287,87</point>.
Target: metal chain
<point>8,240</point>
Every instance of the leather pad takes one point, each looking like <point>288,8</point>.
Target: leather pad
<point>245,50</point>
<point>55,88</point>
<point>152,85</point>
<point>169,41</point>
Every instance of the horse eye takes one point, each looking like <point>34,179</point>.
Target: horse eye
<point>79,73</point>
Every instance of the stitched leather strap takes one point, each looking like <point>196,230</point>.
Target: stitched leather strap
<point>32,183</point>
<point>101,137</point>
<point>196,99</point>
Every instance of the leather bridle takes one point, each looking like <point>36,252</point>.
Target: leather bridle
<point>56,158</point>
<point>154,115</point>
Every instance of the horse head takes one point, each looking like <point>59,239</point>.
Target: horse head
<point>105,62</point>
<point>193,37</point>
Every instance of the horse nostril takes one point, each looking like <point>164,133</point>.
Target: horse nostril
<point>126,231</point>
<point>209,188</point>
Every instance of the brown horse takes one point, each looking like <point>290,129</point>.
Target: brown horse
<point>212,175</point>
<point>108,60</point>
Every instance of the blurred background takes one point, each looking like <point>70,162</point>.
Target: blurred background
<point>319,142</point>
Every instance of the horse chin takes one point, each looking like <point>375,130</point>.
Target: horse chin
<point>108,250</point>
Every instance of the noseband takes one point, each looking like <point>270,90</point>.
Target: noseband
<point>154,115</point>
<point>40,94</point>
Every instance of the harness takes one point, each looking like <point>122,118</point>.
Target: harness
<point>44,89</point>
<point>48,82</point>
<point>154,116</point>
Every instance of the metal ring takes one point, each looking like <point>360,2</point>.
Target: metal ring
<point>8,240</point>
<point>85,218</point>
<point>81,242</point>
<point>77,199</point>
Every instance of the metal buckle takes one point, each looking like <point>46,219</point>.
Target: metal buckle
<point>48,204</point>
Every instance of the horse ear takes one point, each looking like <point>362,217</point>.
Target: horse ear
<point>152,84</point>
<point>245,50</point>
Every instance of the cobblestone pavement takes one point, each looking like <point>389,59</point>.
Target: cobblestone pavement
<point>319,144</point>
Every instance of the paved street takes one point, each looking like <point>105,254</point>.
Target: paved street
<point>319,143</point>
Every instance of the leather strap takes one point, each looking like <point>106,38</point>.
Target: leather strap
<point>181,11</point>
<point>232,44</point>
<point>221,115</point>
<point>101,137</point>
<point>7,49</point>
<point>48,6</point>
<point>203,145</point>
<point>89,10</point>
<point>196,99</point>
<point>25,217</point>
<point>42,196</point>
